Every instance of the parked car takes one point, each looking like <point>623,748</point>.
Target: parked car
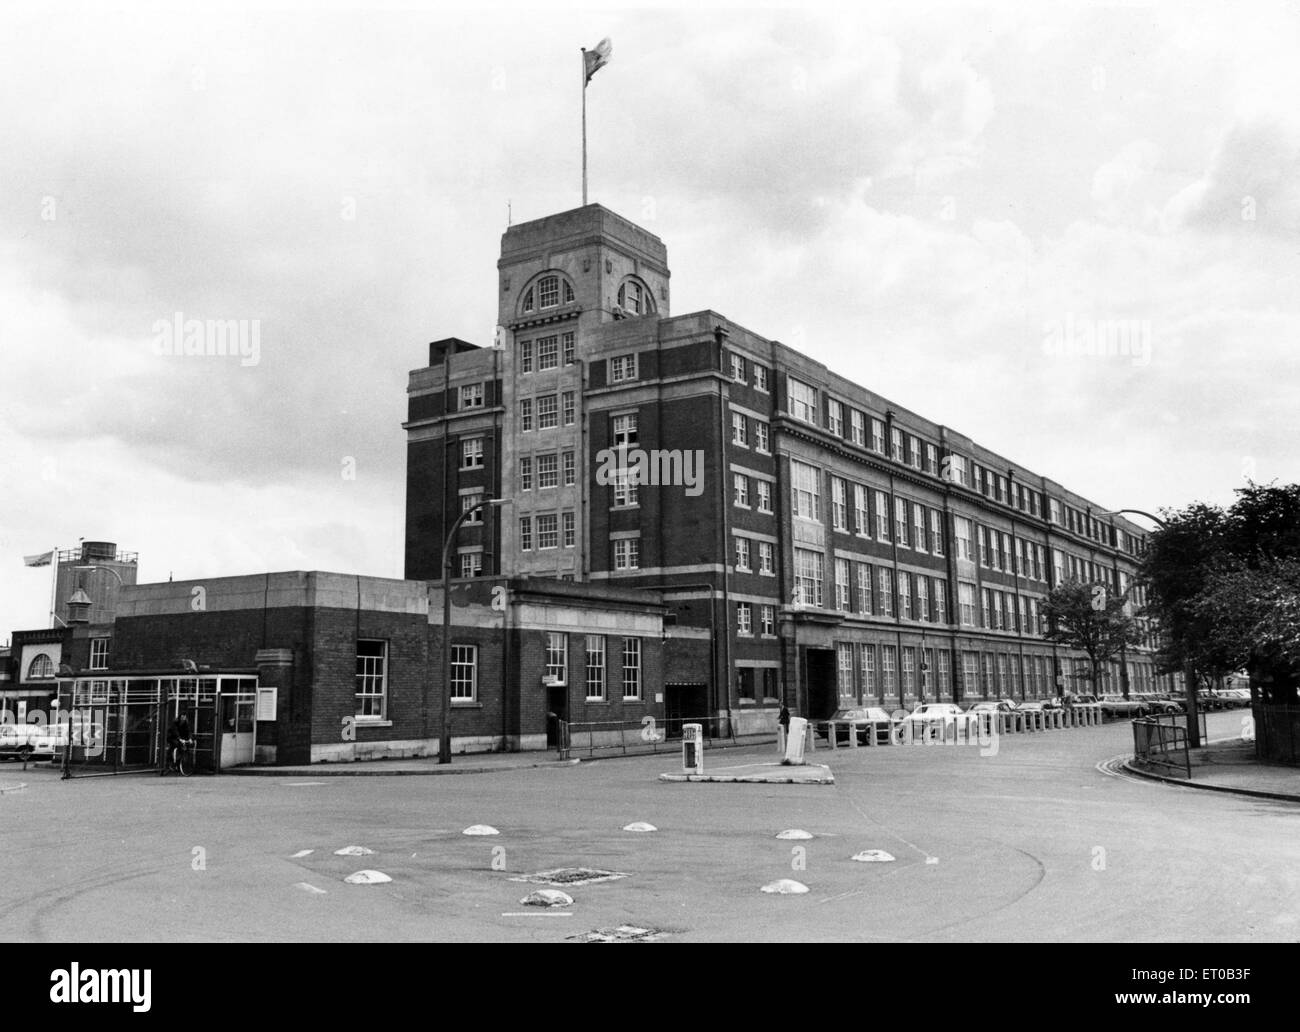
<point>1160,703</point>
<point>934,717</point>
<point>863,717</point>
<point>994,706</point>
<point>1118,706</point>
<point>1236,697</point>
<point>17,741</point>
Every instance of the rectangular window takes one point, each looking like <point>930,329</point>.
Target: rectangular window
<point>760,377</point>
<point>570,469</point>
<point>835,417</point>
<point>525,533</point>
<point>931,459</point>
<point>766,558</point>
<point>966,602</point>
<point>962,527</point>
<point>471,396</point>
<point>595,668</point>
<point>808,577</point>
<point>886,592</point>
<point>839,504</point>
<point>940,601</point>
<point>525,415</point>
<point>986,674</point>
<point>567,523</point>
<point>467,502</point>
<point>864,588</point>
<point>631,668</point>
<point>861,516</point>
<point>957,469</point>
<point>878,436</point>
<point>1004,686</point>
<point>936,532</point>
<point>627,554</point>
<point>525,474</point>
<point>857,427</point>
<point>918,527</point>
<point>904,595</point>
<point>900,522</point>
<point>764,496</point>
<point>986,615</point>
<point>914,452</point>
<point>548,471</point>
<point>760,435</point>
<point>739,435</point>
<point>743,619</point>
<point>570,408</point>
<point>547,412</point>
<point>525,356</point>
<point>471,564</point>
<point>737,367</point>
<point>805,483</point>
<point>557,656</point>
<point>922,597</point>
<point>742,553</point>
<point>802,400</point>
<point>464,673</point>
<point>98,653</point>
<point>548,352</point>
<point>896,443</point>
<point>882,516</point>
<point>740,489</point>
<point>983,536</point>
<point>372,678</point>
<point>548,534</point>
<point>909,670</point>
<point>624,490</point>
<point>868,670</point>
<point>842,601</point>
<point>943,675</point>
<point>768,615</point>
<point>471,453</point>
<point>844,680</point>
<point>888,670</point>
<point>625,430</point>
<point>622,368</point>
<point>566,342</point>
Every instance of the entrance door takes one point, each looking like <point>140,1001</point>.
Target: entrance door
<point>822,693</point>
<point>237,735</point>
<point>684,703</point>
<point>557,709</point>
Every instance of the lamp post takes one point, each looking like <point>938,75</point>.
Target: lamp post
<point>444,740</point>
<point>1189,673</point>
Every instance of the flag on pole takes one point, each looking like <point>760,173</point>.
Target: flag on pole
<point>44,559</point>
<point>596,58</point>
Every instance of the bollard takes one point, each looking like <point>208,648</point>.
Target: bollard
<point>853,735</point>
<point>780,739</point>
<point>795,746</point>
<point>830,734</point>
<point>693,748</point>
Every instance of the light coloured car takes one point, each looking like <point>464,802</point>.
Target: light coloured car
<point>933,719</point>
<point>862,718</point>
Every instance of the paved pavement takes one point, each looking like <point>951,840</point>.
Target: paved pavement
<point>1229,765</point>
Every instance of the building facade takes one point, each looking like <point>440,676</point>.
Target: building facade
<point>812,542</point>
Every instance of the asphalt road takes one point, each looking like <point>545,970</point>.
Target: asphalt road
<point>1034,843</point>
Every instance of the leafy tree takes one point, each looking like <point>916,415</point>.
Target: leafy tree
<point>1091,618</point>
<point>1225,587</point>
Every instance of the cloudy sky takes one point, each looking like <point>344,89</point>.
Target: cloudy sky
<point>946,204</point>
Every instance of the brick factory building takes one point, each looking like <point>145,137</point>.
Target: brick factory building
<point>699,523</point>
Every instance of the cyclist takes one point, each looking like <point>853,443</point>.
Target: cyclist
<point>178,734</point>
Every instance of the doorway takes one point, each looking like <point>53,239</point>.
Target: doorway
<point>823,696</point>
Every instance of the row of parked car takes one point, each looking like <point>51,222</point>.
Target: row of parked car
<point>31,741</point>
<point>864,718</point>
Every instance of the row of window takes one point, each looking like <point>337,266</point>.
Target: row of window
<point>761,497</point>
<point>740,432</point>
<point>546,470</point>
<point>550,410</point>
<point>745,618</point>
<point>913,524</point>
<point>595,668</point>
<point>552,530</point>
<point>372,677</point>
<point>861,588</point>
<point>802,403</point>
<point>546,352</point>
<point>740,366</point>
<point>755,556</point>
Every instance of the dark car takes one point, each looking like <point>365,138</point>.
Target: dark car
<point>862,718</point>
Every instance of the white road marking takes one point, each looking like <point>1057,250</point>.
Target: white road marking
<point>538,913</point>
<point>301,853</point>
<point>309,887</point>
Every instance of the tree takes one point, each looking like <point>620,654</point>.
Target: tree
<point>1225,588</point>
<point>1091,618</point>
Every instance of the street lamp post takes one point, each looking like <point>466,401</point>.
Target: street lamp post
<point>1189,673</point>
<point>444,740</point>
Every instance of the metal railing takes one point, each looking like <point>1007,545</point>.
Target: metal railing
<point>648,735</point>
<point>1162,742</point>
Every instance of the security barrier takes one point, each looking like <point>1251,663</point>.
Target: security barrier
<point>968,728</point>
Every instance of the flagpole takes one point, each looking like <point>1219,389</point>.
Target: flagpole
<point>54,582</point>
<point>584,126</point>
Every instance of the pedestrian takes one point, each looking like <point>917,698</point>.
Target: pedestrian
<point>783,734</point>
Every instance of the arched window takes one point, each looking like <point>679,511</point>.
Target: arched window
<point>550,291</point>
<point>634,297</point>
<point>41,666</point>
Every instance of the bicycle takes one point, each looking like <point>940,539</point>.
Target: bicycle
<point>183,757</point>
